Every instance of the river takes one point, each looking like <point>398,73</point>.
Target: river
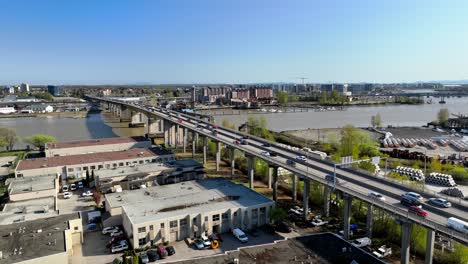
<point>105,125</point>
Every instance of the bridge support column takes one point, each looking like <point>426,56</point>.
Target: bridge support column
<point>429,246</point>
<point>251,172</point>
<point>346,215</point>
<point>176,136</point>
<point>184,139</point>
<point>305,198</point>
<point>294,187</point>
<point>218,155</point>
<point>126,115</point>
<point>326,201</point>
<point>233,161</point>
<point>166,127</point>
<point>369,222</point>
<point>405,242</point>
<point>275,183</point>
<point>269,177</point>
<point>205,147</point>
<point>194,143</point>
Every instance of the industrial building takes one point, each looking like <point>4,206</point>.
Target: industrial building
<point>27,210</point>
<point>177,211</point>
<point>20,189</point>
<point>95,145</point>
<point>76,166</point>
<point>128,178</point>
<point>47,240</point>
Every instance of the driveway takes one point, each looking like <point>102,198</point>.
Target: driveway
<point>93,250</point>
<point>76,203</point>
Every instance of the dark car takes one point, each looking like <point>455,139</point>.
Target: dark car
<point>246,137</point>
<point>291,162</point>
<point>273,154</point>
<point>266,144</point>
<point>153,255</point>
<point>410,202</point>
<point>170,250</point>
<point>244,142</point>
<point>162,251</point>
<point>214,132</point>
<point>330,178</point>
<point>283,227</point>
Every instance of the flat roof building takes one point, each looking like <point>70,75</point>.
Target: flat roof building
<point>188,209</point>
<point>95,146</point>
<point>20,189</point>
<point>27,210</point>
<point>75,166</point>
<point>48,240</point>
<point>129,178</point>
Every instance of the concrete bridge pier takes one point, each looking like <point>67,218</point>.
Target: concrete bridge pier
<point>326,201</point>
<point>250,171</point>
<point>346,215</point>
<point>205,147</point>
<point>294,187</point>
<point>184,139</point>
<point>405,242</point>
<point>177,136</point>
<point>275,183</point>
<point>429,246</point>
<point>270,177</point>
<point>218,155</point>
<point>233,161</point>
<point>369,221</point>
<point>126,115</point>
<point>194,143</point>
<point>152,127</point>
<point>166,132</point>
<point>305,198</point>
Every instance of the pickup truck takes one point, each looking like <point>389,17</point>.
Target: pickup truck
<point>382,252</point>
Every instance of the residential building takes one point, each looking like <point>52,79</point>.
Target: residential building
<point>24,88</point>
<point>76,166</point>
<point>151,174</point>
<point>9,90</point>
<point>55,90</point>
<point>240,94</point>
<point>261,93</point>
<point>106,92</point>
<point>177,211</point>
<point>95,146</point>
<point>41,241</point>
<point>20,189</point>
<point>212,94</point>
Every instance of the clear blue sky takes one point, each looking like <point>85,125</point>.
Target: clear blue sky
<point>213,41</point>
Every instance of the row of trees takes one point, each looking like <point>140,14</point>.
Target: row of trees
<point>8,139</point>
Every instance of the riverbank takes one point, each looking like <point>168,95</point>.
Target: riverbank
<point>79,114</point>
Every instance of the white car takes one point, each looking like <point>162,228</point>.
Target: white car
<point>123,245</point>
<point>265,153</point>
<point>116,233</point>
<point>377,195</point>
<point>88,193</point>
<point>65,188</point>
<point>318,222</point>
<point>72,187</point>
<point>362,242</point>
<point>67,195</point>
<point>109,229</point>
<point>382,252</point>
<point>303,158</point>
<point>206,241</point>
<point>413,196</point>
<point>239,234</point>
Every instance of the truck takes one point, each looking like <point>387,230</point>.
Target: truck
<point>458,225</point>
<point>382,252</point>
<point>362,242</point>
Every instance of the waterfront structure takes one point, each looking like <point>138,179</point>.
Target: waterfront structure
<point>39,108</point>
<point>55,90</point>
<point>20,189</point>
<point>24,88</point>
<point>95,146</point>
<point>7,110</point>
<point>188,209</point>
<point>151,174</point>
<point>41,241</point>
<point>76,166</point>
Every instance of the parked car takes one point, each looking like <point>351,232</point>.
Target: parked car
<point>88,193</point>
<point>206,241</point>
<point>283,227</point>
<point>413,196</point>
<point>303,158</point>
<point>109,229</point>
<point>362,242</point>
<point>382,251</point>
<point>291,163</point>
<point>240,235</point>
<point>123,245</point>
<point>80,185</point>
<point>143,257</point>
<point>377,196</point>
<point>440,202</point>
<point>67,195</point>
<point>417,210</point>
<point>170,250</point>
<point>198,243</point>
<point>116,233</point>
<point>410,202</point>
<point>72,187</point>
<point>457,224</point>
<point>318,222</point>
<point>65,188</point>
<point>153,255</point>
<point>162,251</point>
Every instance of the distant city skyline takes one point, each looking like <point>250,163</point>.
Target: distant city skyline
<point>209,42</point>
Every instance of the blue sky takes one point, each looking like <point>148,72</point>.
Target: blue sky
<point>238,41</point>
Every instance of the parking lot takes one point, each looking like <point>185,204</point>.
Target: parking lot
<point>93,250</point>
<point>75,203</point>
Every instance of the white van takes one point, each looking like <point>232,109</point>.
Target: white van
<point>457,224</point>
<point>239,234</point>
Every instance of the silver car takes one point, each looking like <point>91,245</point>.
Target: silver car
<point>440,202</point>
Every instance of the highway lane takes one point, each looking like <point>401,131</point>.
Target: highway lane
<point>357,185</point>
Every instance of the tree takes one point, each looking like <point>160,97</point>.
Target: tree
<point>40,140</point>
<point>88,178</point>
<point>443,116</point>
<point>277,214</point>
<point>97,198</point>
<point>376,121</point>
<point>8,137</point>
<point>282,97</point>
<point>46,96</point>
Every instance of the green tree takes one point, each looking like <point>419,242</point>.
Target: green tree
<point>282,97</point>
<point>8,137</point>
<point>277,214</point>
<point>46,96</point>
<point>40,140</point>
<point>376,121</point>
<point>443,116</point>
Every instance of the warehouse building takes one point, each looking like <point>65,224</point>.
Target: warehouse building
<point>129,178</point>
<point>95,146</point>
<point>75,166</point>
<point>20,189</point>
<point>177,211</point>
<point>48,240</point>
<point>28,210</point>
